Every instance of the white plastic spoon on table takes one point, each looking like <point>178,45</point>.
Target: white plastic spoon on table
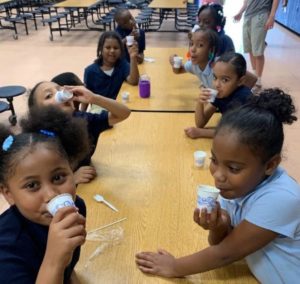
<point>100,198</point>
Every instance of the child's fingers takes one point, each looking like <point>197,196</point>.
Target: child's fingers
<point>71,219</point>
<point>63,212</point>
<point>77,230</point>
<point>197,216</point>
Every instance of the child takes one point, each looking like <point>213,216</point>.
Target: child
<point>211,16</point>
<point>203,48</point>
<point>259,18</point>
<point>107,74</point>
<point>229,73</point>
<point>35,167</point>
<point>44,94</point>
<point>127,26</point>
<point>259,219</point>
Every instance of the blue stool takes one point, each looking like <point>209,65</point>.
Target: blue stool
<point>8,93</point>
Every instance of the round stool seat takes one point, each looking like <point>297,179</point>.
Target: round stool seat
<point>11,91</point>
<point>4,106</point>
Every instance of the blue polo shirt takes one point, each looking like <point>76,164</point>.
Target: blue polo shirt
<point>23,246</point>
<point>237,98</point>
<point>141,40</point>
<point>105,85</point>
<point>273,205</point>
<point>226,43</point>
<point>96,123</point>
<point>206,76</point>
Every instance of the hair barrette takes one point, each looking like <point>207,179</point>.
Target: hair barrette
<point>47,133</point>
<point>7,143</point>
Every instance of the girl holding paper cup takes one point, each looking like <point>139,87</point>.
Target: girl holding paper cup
<point>36,169</point>
<point>258,214</point>
<point>228,91</point>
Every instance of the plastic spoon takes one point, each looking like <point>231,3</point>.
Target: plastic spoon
<point>100,198</point>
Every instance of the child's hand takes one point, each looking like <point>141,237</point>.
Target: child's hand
<point>270,23</point>
<point>216,220</point>
<point>66,233</point>
<point>133,50</point>
<point>193,132</point>
<point>85,174</point>
<point>237,17</point>
<point>161,263</point>
<point>171,59</point>
<point>204,95</point>
<point>81,94</point>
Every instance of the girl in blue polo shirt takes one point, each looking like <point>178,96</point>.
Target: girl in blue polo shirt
<point>107,74</point>
<point>228,77</point>
<point>36,166</point>
<point>258,214</point>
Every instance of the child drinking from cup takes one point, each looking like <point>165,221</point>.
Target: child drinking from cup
<point>127,27</point>
<point>229,72</point>
<point>43,94</point>
<point>203,48</point>
<point>211,16</point>
<point>35,167</point>
<point>107,74</point>
<point>258,214</point>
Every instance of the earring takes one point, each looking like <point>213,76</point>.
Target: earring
<point>211,56</point>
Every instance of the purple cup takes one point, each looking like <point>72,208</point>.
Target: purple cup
<point>144,88</point>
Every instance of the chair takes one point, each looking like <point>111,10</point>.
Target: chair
<point>8,93</point>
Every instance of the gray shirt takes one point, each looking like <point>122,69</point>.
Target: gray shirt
<point>256,7</point>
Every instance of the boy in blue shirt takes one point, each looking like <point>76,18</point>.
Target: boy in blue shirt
<point>127,26</point>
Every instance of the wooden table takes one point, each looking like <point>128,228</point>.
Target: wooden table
<point>169,91</point>
<point>167,4</point>
<point>76,3</point>
<point>146,170</point>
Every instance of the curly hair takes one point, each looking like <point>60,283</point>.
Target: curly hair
<point>259,123</point>
<point>51,126</point>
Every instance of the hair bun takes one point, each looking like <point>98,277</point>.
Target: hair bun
<point>277,102</point>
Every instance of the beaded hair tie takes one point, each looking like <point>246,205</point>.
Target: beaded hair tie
<point>7,143</point>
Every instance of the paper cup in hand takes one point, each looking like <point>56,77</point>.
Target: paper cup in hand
<point>63,96</point>
<point>129,40</point>
<point>206,197</point>
<point>60,201</point>
<point>199,158</point>
<point>177,62</point>
<point>213,95</point>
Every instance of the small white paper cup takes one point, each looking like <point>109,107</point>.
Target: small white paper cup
<point>60,201</point>
<point>63,96</point>
<point>213,95</point>
<point>177,62</point>
<point>129,40</point>
<point>125,97</point>
<point>199,158</point>
<point>206,197</point>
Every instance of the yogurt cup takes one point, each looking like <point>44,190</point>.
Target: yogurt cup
<point>129,40</point>
<point>206,197</point>
<point>213,95</point>
<point>199,158</point>
<point>60,201</point>
<point>177,62</point>
<point>63,96</point>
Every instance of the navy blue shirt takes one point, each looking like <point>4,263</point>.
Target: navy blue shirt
<point>141,40</point>
<point>226,44</point>
<point>96,124</point>
<point>238,97</point>
<point>100,83</point>
<point>23,246</point>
